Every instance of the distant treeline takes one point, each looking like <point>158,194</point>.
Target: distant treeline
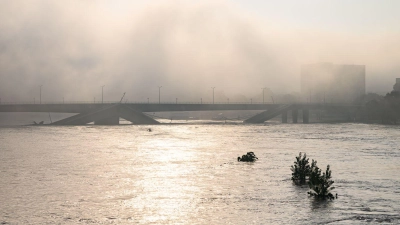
<point>382,109</point>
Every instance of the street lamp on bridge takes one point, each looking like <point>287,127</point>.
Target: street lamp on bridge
<point>40,94</point>
<point>213,93</point>
<point>159,94</point>
<point>102,93</point>
<point>263,92</point>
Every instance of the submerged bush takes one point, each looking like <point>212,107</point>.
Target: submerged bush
<point>301,169</point>
<point>249,157</point>
<point>320,184</point>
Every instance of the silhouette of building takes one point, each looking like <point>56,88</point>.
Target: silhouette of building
<point>396,86</point>
<point>330,83</point>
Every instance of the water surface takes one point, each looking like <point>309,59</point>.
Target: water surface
<point>188,174</point>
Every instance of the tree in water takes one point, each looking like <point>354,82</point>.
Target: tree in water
<point>301,169</point>
<point>320,184</point>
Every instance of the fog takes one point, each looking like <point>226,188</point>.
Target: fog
<point>73,48</point>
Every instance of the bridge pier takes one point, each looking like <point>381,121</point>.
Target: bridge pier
<point>269,114</point>
<point>112,120</point>
<point>284,117</point>
<point>306,115</point>
<point>108,115</point>
<point>295,113</point>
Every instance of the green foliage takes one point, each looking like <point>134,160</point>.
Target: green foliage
<point>249,157</point>
<point>320,184</point>
<point>301,169</point>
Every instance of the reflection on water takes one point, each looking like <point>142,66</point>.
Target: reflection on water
<point>189,174</point>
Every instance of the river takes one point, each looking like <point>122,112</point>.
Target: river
<point>189,174</point>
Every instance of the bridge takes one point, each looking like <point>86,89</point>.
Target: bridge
<point>110,113</point>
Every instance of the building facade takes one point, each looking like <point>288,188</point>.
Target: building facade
<point>330,83</point>
<point>396,86</point>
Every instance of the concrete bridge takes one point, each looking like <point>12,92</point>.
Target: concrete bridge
<point>109,114</point>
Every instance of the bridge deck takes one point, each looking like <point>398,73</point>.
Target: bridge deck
<point>82,108</point>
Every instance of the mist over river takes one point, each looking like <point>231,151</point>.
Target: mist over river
<point>189,174</point>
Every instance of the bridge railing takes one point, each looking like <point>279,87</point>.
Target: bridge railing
<point>168,103</point>
<point>125,102</point>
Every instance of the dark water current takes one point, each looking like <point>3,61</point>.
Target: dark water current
<point>188,174</point>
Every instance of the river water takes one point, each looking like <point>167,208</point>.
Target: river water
<point>188,174</point>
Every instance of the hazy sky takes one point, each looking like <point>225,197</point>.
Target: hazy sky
<point>74,47</point>
<point>353,16</point>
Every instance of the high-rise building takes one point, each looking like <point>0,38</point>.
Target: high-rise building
<point>396,86</point>
<point>330,83</point>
